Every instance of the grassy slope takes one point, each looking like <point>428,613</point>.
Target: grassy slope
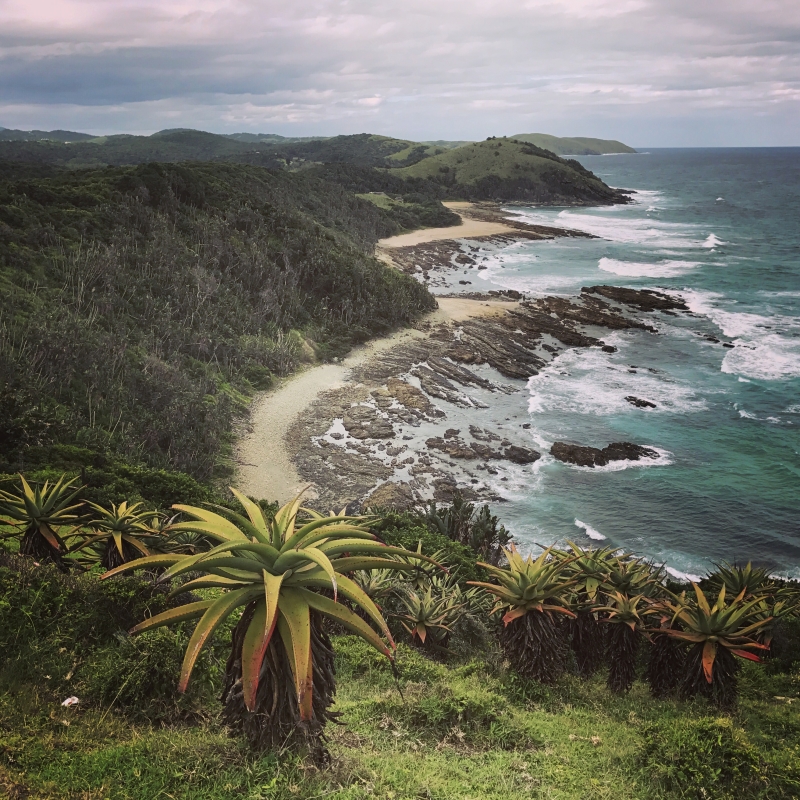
<point>574,145</point>
<point>510,170</point>
<point>464,732</point>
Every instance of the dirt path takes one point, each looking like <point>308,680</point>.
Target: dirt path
<point>265,469</point>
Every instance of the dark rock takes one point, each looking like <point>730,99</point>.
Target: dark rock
<point>627,451</point>
<point>594,457</point>
<point>521,455</point>
<point>712,339</point>
<point>577,454</point>
<point>728,344</point>
<point>526,425</point>
<point>364,422</point>
<point>643,299</point>
<point>398,496</point>
<point>608,348</point>
<point>638,402</point>
<point>451,432</point>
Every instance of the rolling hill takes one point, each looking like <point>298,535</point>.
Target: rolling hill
<point>507,169</point>
<point>574,145</point>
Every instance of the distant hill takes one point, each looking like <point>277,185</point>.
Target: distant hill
<point>574,145</point>
<point>9,135</point>
<point>497,169</point>
<point>508,169</point>
<point>175,145</point>
<point>272,138</point>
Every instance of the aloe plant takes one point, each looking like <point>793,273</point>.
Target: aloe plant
<point>121,534</point>
<point>429,616</point>
<point>287,575</point>
<point>590,569</point>
<point>665,659</point>
<point>748,579</point>
<point>626,616</point>
<point>531,592</point>
<point>40,514</point>
<point>716,634</point>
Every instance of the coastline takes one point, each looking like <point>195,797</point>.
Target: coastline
<point>265,467</point>
<point>434,409</point>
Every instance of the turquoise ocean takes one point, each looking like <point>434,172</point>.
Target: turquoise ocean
<point>721,228</point>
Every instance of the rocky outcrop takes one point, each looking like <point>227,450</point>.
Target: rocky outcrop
<point>398,496</point>
<point>364,422</point>
<point>643,299</point>
<point>457,448</point>
<point>593,457</point>
<point>639,403</point>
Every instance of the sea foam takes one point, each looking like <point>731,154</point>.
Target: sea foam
<point>767,347</point>
<point>587,382</point>
<point>635,269</point>
<point>590,531</point>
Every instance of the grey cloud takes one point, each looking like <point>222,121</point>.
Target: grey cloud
<point>673,71</point>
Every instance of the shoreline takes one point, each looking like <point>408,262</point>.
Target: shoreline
<point>264,466</point>
<point>388,424</point>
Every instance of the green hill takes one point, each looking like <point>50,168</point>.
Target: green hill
<point>507,169</point>
<point>574,145</point>
<point>178,145</point>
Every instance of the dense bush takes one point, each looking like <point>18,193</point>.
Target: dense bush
<point>68,633</point>
<point>707,758</point>
<point>142,306</point>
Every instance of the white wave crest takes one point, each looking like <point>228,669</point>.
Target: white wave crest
<point>585,382</point>
<point>590,531</point>
<point>712,241</point>
<point>767,347</point>
<point>684,577</point>
<point>632,269</point>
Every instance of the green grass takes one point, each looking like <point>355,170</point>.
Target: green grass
<point>507,169</point>
<point>463,731</point>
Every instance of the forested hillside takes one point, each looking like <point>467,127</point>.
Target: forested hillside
<point>139,306</point>
<point>498,169</point>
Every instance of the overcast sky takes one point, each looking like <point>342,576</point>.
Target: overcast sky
<point>648,72</point>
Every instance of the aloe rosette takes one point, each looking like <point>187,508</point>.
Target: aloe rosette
<point>531,592</point>
<point>282,572</point>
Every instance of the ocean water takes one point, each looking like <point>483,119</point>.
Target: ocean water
<point>721,227</point>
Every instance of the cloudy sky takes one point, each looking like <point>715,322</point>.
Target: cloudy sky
<point>649,72</point>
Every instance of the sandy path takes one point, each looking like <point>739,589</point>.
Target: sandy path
<point>468,228</point>
<point>265,469</point>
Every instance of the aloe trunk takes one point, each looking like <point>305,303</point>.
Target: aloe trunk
<point>535,646</point>
<point>623,646</point>
<point>665,665</point>
<point>276,720</point>
<point>723,689</point>
<point>33,544</point>
<point>587,643</point>
<point>111,558</point>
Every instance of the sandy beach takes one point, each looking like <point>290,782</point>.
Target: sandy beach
<point>469,228</point>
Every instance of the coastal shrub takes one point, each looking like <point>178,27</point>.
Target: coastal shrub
<point>469,525</point>
<point>67,633</point>
<point>700,758</point>
<point>138,675</point>
<point>408,530</point>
